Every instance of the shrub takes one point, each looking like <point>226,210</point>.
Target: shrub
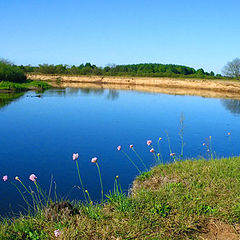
<point>11,73</point>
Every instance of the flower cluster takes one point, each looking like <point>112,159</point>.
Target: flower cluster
<point>75,156</point>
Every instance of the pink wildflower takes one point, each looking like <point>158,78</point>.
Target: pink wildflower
<point>94,160</point>
<point>57,233</point>
<point>5,178</point>
<point>152,150</point>
<point>75,156</point>
<point>228,133</point>
<point>131,146</point>
<point>149,142</point>
<point>33,177</point>
<point>119,148</point>
<point>172,154</point>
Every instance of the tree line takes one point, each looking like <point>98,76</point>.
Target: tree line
<point>14,73</point>
<point>138,70</point>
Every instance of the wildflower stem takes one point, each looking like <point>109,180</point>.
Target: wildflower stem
<point>89,198</point>
<point>140,158</point>
<point>131,161</point>
<point>50,189</point>
<point>159,151</point>
<point>210,146</point>
<point>181,132</point>
<point>40,190</point>
<point>169,145</point>
<point>100,178</point>
<point>116,184</point>
<point>34,201</point>
<point>25,200</point>
<point>24,187</point>
<point>80,179</point>
<point>120,186</point>
<point>39,198</point>
<point>155,157</point>
<point>55,191</point>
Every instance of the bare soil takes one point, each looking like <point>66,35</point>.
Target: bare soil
<point>217,230</point>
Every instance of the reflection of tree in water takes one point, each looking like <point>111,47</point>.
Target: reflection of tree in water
<point>55,92</point>
<point>73,91</point>
<point>112,94</point>
<point>232,105</point>
<point>7,98</point>
<point>98,91</point>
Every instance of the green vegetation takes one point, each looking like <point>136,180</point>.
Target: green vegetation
<point>174,201</point>
<point>27,85</point>
<point>138,70</point>
<point>7,98</point>
<point>11,73</point>
<point>12,78</point>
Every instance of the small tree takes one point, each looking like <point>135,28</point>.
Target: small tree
<point>232,69</point>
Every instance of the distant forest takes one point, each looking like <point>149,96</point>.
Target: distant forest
<point>133,70</point>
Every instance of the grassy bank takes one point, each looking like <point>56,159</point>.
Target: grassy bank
<point>27,85</point>
<point>182,200</point>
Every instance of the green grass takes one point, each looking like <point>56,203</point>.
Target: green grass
<point>173,201</point>
<point>28,85</point>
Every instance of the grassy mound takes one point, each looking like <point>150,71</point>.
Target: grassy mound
<point>174,201</point>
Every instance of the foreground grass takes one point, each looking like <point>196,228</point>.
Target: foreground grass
<point>174,201</point>
<point>28,85</point>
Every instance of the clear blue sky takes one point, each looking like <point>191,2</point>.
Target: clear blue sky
<point>197,33</point>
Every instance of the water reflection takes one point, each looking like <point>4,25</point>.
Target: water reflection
<point>110,94</point>
<point>113,95</point>
<point>56,92</point>
<point>232,105</point>
<point>7,98</point>
<point>96,91</point>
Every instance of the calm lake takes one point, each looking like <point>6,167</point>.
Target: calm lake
<point>39,134</point>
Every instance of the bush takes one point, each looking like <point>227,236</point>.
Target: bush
<point>11,73</point>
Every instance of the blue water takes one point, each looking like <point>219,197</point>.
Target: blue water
<point>40,134</point>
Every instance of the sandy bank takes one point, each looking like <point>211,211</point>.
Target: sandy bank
<point>199,87</point>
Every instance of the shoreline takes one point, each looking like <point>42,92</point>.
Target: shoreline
<point>176,86</point>
<point>184,200</point>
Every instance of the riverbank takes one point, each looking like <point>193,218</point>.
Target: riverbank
<point>183,200</point>
<point>200,87</point>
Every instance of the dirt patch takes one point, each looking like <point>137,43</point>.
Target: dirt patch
<point>217,230</point>
<point>153,183</point>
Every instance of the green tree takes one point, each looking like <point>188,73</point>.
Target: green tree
<point>200,72</point>
<point>11,73</point>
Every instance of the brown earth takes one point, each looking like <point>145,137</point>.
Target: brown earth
<point>199,87</point>
<point>217,230</point>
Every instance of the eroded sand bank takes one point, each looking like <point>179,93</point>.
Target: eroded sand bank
<point>205,88</point>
